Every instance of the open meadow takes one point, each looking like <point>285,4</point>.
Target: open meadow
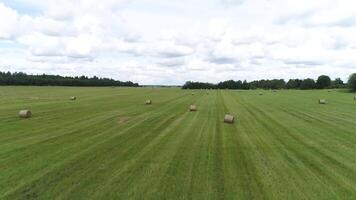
<point>107,144</point>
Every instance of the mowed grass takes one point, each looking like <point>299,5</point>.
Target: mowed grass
<point>109,145</point>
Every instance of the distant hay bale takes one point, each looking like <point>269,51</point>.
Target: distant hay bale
<point>193,108</point>
<point>355,98</point>
<point>260,93</point>
<point>192,93</point>
<point>274,90</point>
<point>229,119</point>
<point>25,114</point>
<point>72,98</point>
<point>148,102</point>
<point>322,101</point>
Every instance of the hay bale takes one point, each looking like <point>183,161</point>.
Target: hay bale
<point>229,119</point>
<point>25,114</point>
<point>355,98</point>
<point>322,101</point>
<point>192,93</point>
<point>148,102</point>
<point>260,93</point>
<point>193,108</point>
<point>72,98</point>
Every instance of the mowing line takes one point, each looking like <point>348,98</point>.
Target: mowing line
<point>317,170</point>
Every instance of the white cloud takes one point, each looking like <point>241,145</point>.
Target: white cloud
<point>8,22</point>
<point>157,42</point>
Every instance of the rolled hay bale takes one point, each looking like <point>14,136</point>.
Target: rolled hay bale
<point>355,98</point>
<point>72,98</point>
<point>148,102</point>
<point>25,114</point>
<point>260,93</point>
<point>322,101</point>
<point>192,93</point>
<point>229,119</point>
<point>193,108</point>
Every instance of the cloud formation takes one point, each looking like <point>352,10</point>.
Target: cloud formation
<point>170,42</point>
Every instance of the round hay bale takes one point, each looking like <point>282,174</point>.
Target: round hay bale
<point>229,119</point>
<point>25,114</point>
<point>148,102</point>
<point>355,98</point>
<point>73,98</point>
<point>322,101</point>
<point>192,93</point>
<point>260,93</point>
<point>193,108</point>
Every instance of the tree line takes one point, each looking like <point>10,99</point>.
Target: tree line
<point>19,78</point>
<point>322,82</point>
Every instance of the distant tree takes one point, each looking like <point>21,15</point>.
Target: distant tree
<point>294,84</point>
<point>352,82</point>
<point>230,84</point>
<point>337,83</point>
<point>19,78</point>
<point>277,84</point>
<point>198,85</point>
<point>307,84</point>
<point>323,82</point>
<point>245,85</point>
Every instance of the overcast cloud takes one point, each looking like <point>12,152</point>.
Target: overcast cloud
<point>170,42</point>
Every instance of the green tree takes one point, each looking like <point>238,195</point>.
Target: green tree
<point>323,82</point>
<point>307,84</point>
<point>352,82</point>
<point>337,83</point>
<point>19,78</point>
<point>294,84</point>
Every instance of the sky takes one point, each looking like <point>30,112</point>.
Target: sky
<point>171,42</point>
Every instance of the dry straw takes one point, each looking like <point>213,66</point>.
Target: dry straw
<point>193,108</point>
<point>229,119</point>
<point>25,114</point>
<point>322,101</point>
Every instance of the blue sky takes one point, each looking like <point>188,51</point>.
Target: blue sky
<point>170,42</point>
<point>23,7</point>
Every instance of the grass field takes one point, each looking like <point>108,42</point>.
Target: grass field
<point>109,145</point>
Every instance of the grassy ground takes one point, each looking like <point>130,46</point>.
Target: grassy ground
<point>109,145</point>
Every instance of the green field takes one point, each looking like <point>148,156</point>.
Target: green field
<point>109,145</point>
